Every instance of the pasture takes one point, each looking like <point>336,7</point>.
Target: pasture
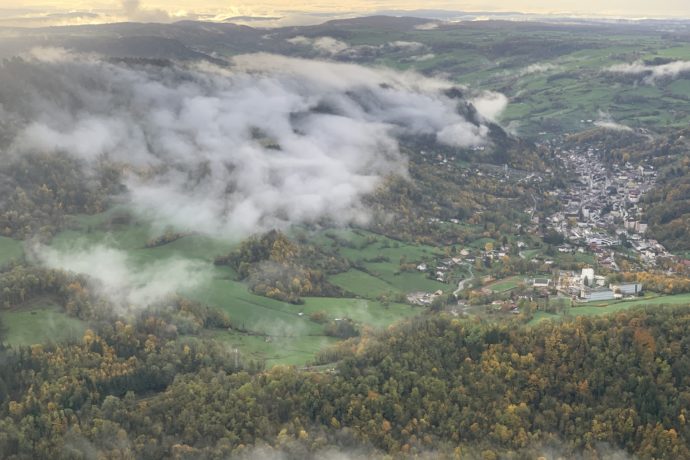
<point>605,308</point>
<point>10,250</point>
<point>506,284</point>
<point>40,322</point>
<point>265,329</point>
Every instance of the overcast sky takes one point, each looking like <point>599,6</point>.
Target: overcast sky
<point>42,12</point>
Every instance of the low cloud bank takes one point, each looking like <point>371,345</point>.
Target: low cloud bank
<point>325,45</point>
<point>267,142</point>
<point>118,277</point>
<point>330,47</point>
<point>606,121</point>
<point>537,68</point>
<point>490,104</point>
<point>652,73</point>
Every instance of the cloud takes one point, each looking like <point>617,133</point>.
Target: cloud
<point>324,45</point>
<point>120,279</point>
<point>490,104</point>
<point>423,57</point>
<point>653,73</point>
<point>612,125</point>
<point>51,54</point>
<point>606,121</point>
<point>33,18</point>
<point>131,7</point>
<point>463,134</point>
<point>405,45</point>
<point>133,11</point>
<point>265,143</point>
<point>291,449</point>
<point>537,68</point>
<point>329,46</point>
<point>428,26</point>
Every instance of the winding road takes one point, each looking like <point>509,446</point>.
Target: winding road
<point>461,283</point>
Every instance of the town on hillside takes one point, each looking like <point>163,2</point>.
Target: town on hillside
<point>598,219</point>
<point>601,208</point>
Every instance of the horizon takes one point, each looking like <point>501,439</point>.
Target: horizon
<point>277,13</point>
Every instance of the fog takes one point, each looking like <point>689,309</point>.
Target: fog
<point>652,73</point>
<point>552,450</point>
<point>537,68</point>
<point>265,142</point>
<point>490,104</point>
<point>330,47</point>
<point>606,121</point>
<point>326,45</point>
<point>126,283</point>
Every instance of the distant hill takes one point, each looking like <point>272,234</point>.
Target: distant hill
<point>556,73</point>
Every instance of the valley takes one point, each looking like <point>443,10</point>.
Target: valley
<point>375,237</point>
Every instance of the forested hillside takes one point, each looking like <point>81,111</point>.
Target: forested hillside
<point>37,191</point>
<point>669,205</point>
<point>433,385</point>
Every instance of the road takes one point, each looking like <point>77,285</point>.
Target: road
<point>461,284</point>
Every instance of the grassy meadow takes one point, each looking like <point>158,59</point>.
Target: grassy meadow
<point>604,308</point>
<point>10,250</point>
<point>39,322</point>
<point>271,330</point>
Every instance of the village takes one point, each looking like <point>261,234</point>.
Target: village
<point>599,215</point>
<point>601,209</point>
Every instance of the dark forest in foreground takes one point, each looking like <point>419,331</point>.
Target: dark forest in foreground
<point>433,384</point>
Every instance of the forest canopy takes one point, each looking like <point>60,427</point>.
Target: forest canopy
<point>435,384</point>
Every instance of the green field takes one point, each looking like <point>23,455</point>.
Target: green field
<point>541,316</point>
<point>607,308</point>
<point>363,245</point>
<point>272,330</point>
<point>361,284</point>
<point>10,250</point>
<point>380,257</point>
<point>530,254</point>
<point>368,312</point>
<point>297,351</point>
<point>676,300</point>
<point>39,324</point>
<point>382,279</point>
<point>283,333</point>
<point>481,243</point>
<point>405,282</point>
<point>506,284</point>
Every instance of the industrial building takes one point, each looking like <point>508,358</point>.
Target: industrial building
<point>627,289</point>
<point>590,295</point>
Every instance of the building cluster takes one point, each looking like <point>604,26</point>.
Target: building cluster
<point>423,298</point>
<point>588,286</point>
<point>443,266</point>
<point>601,207</point>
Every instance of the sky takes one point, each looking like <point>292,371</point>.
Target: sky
<point>284,12</point>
